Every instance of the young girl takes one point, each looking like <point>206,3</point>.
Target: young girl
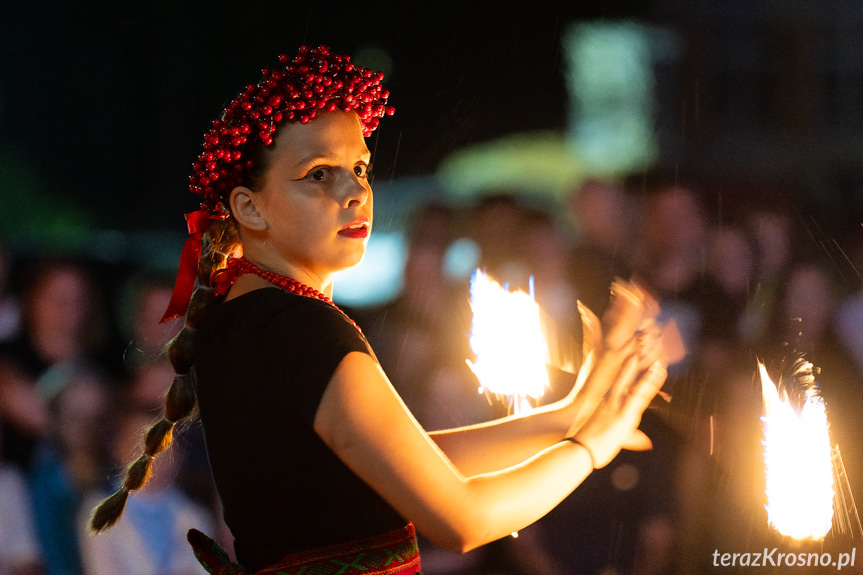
<point>316,459</point>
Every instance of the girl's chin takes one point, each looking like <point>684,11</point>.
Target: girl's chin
<point>348,263</point>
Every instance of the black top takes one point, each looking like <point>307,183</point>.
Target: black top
<point>263,361</point>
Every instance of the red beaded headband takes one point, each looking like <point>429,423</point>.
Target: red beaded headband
<point>312,80</point>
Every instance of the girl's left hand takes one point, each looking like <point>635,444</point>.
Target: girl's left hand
<point>627,329</point>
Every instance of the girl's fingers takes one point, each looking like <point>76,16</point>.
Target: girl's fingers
<point>626,378</point>
<point>638,441</point>
<point>651,306</point>
<point>624,315</point>
<point>591,329</point>
<point>650,347</point>
<point>645,388</point>
<point>608,381</point>
<point>605,375</point>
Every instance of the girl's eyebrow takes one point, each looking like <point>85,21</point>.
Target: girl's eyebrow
<point>314,158</point>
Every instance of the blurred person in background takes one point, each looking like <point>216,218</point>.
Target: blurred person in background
<point>62,324</point>
<point>19,549</point>
<point>729,287</point>
<point>494,224</point>
<point>849,314</point>
<point>10,312</point>
<point>152,539</point>
<point>668,256</point>
<point>148,370</point>
<point>772,231</point>
<point>70,460</point>
<point>604,217</point>
<point>849,326</point>
<point>145,297</point>
<point>546,253</point>
<point>724,362</point>
<point>545,250</point>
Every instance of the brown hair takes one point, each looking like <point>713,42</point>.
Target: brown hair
<point>220,241</point>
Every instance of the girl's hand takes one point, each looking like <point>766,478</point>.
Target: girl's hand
<point>626,334</point>
<point>614,424</point>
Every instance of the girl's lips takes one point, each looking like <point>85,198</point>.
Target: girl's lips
<point>356,229</point>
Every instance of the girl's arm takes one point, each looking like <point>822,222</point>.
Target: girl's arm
<point>363,420</point>
<point>501,443</point>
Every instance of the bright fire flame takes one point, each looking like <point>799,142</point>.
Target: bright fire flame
<point>507,339</point>
<point>798,461</point>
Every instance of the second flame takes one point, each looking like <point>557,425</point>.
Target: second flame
<point>798,463</point>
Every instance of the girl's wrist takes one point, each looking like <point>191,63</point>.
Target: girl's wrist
<point>584,447</point>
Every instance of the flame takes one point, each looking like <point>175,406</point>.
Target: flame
<point>799,463</point>
<point>507,339</point>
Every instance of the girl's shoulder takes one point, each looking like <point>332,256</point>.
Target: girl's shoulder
<point>271,317</point>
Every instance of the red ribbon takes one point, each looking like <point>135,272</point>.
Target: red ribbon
<point>197,223</point>
<point>222,280</point>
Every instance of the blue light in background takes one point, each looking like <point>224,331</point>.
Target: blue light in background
<point>610,80</point>
<point>377,278</point>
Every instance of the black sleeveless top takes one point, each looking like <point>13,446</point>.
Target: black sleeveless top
<point>263,361</point>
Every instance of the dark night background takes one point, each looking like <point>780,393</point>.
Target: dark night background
<point>102,106</point>
<point>107,104</point>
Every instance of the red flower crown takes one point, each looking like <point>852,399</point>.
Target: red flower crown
<point>312,80</point>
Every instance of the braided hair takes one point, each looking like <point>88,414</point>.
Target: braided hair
<point>220,242</point>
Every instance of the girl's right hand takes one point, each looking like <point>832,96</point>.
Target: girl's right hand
<point>622,367</point>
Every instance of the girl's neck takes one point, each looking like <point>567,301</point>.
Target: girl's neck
<point>248,282</point>
<point>238,268</point>
<point>283,267</point>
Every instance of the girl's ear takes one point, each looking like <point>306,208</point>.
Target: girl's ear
<point>243,208</point>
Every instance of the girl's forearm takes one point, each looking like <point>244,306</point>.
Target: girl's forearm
<point>508,500</point>
<point>501,443</point>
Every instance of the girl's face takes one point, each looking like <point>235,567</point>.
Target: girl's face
<point>315,204</point>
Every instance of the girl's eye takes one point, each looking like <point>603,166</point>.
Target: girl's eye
<point>318,175</point>
<point>362,170</point>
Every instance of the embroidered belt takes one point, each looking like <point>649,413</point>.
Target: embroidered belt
<point>393,553</point>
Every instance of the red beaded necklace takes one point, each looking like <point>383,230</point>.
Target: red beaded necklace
<point>290,285</point>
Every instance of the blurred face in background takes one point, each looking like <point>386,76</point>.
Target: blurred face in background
<point>80,411</point>
<point>59,303</point>
<point>773,233</point>
<point>675,222</point>
<point>731,259</point>
<point>811,298</point>
<point>149,334</point>
<point>603,215</point>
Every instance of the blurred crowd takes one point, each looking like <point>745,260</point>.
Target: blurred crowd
<point>82,371</point>
<point>74,400</point>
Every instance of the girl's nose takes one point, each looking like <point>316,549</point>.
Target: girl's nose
<point>357,193</point>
